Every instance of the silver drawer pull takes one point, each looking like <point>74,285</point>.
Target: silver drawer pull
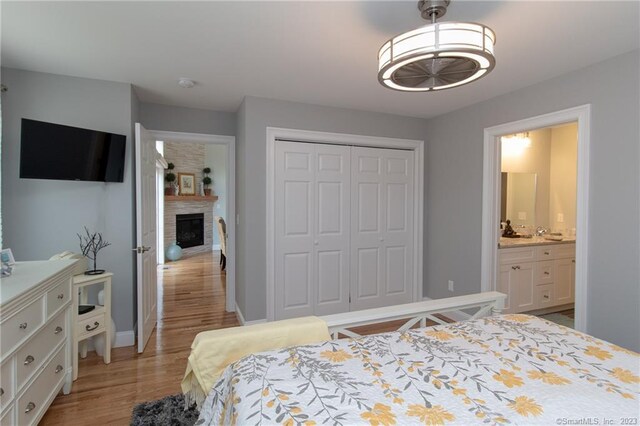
<point>96,324</point>
<point>1,391</point>
<point>546,296</point>
<point>58,330</point>
<point>61,296</point>
<point>547,253</point>
<point>546,272</point>
<point>23,326</point>
<point>59,368</point>
<point>30,407</point>
<point>573,261</point>
<point>28,360</point>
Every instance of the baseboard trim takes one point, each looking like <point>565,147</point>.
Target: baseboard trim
<point>242,321</point>
<point>454,315</point>
<point>124,338</point>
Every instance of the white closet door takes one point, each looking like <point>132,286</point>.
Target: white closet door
<point>381,227</point>
<point>332,264</point>
<point>312,229</point>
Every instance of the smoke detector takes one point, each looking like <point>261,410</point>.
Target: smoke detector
<point>186,83</point>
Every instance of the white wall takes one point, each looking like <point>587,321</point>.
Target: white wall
<point>454,179</point>
<point>42,217</point>
<point>216,158</point>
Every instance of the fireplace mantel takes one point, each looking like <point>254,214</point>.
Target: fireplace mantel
<point>211,198</point>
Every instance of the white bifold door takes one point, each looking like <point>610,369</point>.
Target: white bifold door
<point>343,228</point>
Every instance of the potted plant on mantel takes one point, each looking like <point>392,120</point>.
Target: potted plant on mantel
<point>170,177</point>
<point>206,181</point>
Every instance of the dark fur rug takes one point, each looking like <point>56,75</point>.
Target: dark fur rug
<point>165,411</point>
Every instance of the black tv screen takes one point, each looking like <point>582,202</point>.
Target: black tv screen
<point>54,151</point>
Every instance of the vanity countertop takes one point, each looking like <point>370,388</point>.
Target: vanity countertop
<point>535,241</point>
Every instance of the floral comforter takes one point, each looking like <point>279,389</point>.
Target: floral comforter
<point>514,369</point>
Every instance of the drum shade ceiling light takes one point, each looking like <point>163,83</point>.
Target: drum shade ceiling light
<point>437,56</point>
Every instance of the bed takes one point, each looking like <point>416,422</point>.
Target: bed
<point>505,369</point>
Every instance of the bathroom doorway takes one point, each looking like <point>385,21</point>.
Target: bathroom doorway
<point>535,215</point>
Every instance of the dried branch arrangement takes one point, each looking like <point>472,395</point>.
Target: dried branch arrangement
<point>90,245</point>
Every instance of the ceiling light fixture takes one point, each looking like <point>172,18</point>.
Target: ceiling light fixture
<point>437,56</point>
<point>186,83</point>
<point>514,145</point>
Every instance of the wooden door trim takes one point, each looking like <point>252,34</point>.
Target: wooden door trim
<point>296,135</point>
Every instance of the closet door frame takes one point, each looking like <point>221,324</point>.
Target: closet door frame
<point>307,136</point>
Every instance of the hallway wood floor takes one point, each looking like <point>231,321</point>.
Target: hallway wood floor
<point>191,299</point>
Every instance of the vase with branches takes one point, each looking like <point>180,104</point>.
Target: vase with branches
<point>90,245</point>
<point>170,177</point>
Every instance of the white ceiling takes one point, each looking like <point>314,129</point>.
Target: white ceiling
<point>314,52</point>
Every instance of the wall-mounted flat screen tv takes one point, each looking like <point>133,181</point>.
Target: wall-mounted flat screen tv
<point>54,151</point>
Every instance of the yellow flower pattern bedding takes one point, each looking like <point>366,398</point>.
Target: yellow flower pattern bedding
<point>511,369</point>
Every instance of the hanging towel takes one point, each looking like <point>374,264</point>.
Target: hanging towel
<point>212,351</point>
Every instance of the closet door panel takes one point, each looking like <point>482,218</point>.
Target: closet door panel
<point>331,233</point>
<point>382,223</point>
<point>398,232</point>
<point>294,214</point>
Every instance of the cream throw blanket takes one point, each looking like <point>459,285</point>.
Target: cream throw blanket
<point>212,351</point>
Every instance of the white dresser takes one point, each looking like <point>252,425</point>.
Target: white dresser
<point>35,339</point>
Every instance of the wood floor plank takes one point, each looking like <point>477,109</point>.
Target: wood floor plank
<point>191,299</point>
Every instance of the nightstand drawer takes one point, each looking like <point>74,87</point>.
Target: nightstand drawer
<point>91,325</point>
<point>58,296</point>
<point>32,355</point>
<point>20,326</point>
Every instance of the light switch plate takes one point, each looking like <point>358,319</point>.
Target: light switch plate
<point>522,215</point>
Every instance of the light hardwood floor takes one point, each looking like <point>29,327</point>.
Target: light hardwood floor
<point>191,300</point>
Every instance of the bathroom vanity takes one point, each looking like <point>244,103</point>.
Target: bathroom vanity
<point>536,273</point>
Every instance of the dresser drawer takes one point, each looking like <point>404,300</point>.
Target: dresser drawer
<point>32,355</point>
<point>20,326</point>
<point>91,325</point>
<point>58,296</point>
<point>7,381</point>
<point>516,255</point>
<point>31,404</point>
<point>8,418</point>
<point>544,272</point>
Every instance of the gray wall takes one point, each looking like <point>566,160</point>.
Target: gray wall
<point>188,120</point>
<point>256,114</point>
<point>454,181</point>
<point>42,217</point>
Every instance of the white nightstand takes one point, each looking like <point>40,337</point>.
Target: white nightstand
<point>93,322</point>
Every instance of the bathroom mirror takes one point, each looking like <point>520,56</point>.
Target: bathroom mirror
<point>518,201</point>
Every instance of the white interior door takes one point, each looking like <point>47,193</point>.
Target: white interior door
<point>146,156</point>
<point>381,227</point>
<point>312,229</point>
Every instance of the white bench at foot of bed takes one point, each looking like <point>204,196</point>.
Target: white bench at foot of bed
<point>489,303</point>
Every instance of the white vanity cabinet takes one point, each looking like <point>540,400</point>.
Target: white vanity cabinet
<point>537,277</point>
<point>35,339</point>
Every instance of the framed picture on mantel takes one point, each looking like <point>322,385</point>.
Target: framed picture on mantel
<point>187,183</point>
